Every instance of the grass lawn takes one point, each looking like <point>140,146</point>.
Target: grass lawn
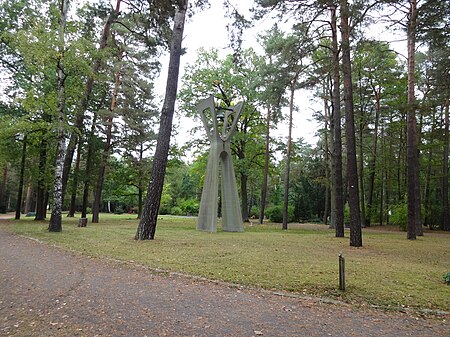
<point>388,271</point>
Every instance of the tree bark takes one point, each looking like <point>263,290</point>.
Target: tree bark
<point>76,174</point>
<point>40,193</point>
<point>288,159</point>
<point>445,205</point>
<point>352,173</point>
<point>266,169</point>
<point>147,225</point>
<point>55,224</point>
<point>337,136</point>
<point>327,160</point>
<point>88,168</point>
<point>412,156</point>
<point>84,103</point>
<point>21,178</point>
<point>373,160</point>
<point>3,207</point>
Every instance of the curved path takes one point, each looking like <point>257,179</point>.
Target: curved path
<point>46,291</point>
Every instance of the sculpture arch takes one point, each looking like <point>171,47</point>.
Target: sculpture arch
<point>219,136</point>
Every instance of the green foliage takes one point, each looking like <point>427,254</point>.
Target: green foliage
<point>254,212</point>
<point>190,206</point>
<point>399,216</point>
<point>176,211</point>
<point>119,210</point>
<point>275,213</point>
<point>446,278</point>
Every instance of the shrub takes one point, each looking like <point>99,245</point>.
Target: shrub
<point>275,213</point>
<point>119,210</point>
<point>399,216</point>
<point>190,206</point>
<point>176,211</point>
<point>254,213</point>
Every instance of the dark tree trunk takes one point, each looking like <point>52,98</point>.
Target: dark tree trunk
<point>88,168</point>
<point>76,174</point>
<point>84,103</point>
<point>327,161</point>
<point>266,169</point>
<point>107,147</point>
<point>147,225</point>
<point>445,205</point>
<point>373,160</point>
<point>361,171</point>
<point>3,190</point>
<point>412,156</point>
<point>21,178</point>
<point>40,192</point>
<point>352,173</point>
<point>337,136</point>
<point>427,204</point>
<point>288,159</point>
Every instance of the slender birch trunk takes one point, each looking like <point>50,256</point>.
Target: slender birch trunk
<point>55,224</point>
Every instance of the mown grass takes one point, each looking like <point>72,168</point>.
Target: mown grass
<point>388,271</point>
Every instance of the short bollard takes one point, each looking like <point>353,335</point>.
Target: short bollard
<point>82,222</point>
<point>341,272</point>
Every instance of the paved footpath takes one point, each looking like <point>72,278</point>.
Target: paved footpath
<point>46,291</point>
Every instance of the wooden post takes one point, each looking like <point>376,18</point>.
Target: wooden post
<point>341,272</point>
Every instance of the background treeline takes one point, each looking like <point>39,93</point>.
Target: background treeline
<point>111,58</point>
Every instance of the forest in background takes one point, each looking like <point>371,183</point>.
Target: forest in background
<point>83,81</point>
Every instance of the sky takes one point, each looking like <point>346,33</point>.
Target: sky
<point>208,30</point>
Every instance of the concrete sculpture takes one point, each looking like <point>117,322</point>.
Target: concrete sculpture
<point>219,128</point>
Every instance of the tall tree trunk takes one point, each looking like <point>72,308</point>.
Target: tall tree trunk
<point>445,206</point>
<point>41,188</point>
<point>373,159</point>
<point>288,159</point>
<point>107,146</point>
<point>3,207</point>
<point>352,173</point>
<point>337,137</point>
<point>88,168</point>
<point>361,171</point>
<point>147,226</point>
<point>412,156</point>
<point>428,212</point>
<point>21,178</point>
<point>266,168</point>
<point>84,103</point>
<point>27,207</point>
<point>326,151</point>
<point>55,224</point>
<point>76,174</point>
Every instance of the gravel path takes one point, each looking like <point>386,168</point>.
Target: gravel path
<point>46,291</point>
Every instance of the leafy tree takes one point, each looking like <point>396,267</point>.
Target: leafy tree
<point>230,82</point>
